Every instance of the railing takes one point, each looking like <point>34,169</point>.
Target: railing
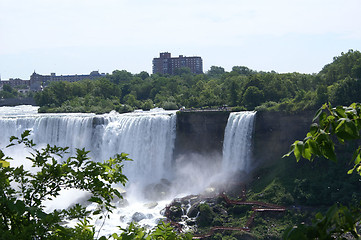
<point>257,207</point>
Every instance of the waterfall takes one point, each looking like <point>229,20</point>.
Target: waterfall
<point>237,145</point>
<point>148,137</point>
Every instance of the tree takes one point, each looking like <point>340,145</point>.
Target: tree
<point>321,95</point>
<point>7,88</point>
<point>346,91</point>
<point>215,71</point>
<point>143,75</point>
<point>182,71</point>
<point>105,88</point>
<point>252,97</point>
<point>8,92</point>
<point>329,124</point>
<point>348,64</point>
<point>242,70</point>
<point>23,192</point>
<point>120,76</point>
<point>131,100</point>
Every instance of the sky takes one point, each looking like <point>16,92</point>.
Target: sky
<point>80,36</point>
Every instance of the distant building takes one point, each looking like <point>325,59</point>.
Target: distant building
<point>166,64</point>
<point>13,82</point>
<point>37,80</point>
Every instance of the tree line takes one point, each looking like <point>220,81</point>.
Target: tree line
<point>241,88</point>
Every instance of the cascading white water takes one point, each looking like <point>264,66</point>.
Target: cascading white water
<point>148,138</point>
<point>237,145</point>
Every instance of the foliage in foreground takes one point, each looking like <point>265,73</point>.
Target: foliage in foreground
<point>163,232</point>
<point>343,124</point>
<point>23,192</point>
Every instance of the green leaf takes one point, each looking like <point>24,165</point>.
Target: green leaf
<point>329,151</point>
<point>96,212</point>
<point>295,233</point>
<point>340,111</point>
<point>306,151</point>
<point>314,129</point>
<point>25,134</point>
<point>20,207</point>
<point>317,115</point>
<point>12,138</point>
<point>95,199</point>
<point>4,164</point>
<point>346,129</point>
<point>314,147</point>
<point>358,159</point>
<point>298,150</point>
<point>322,119</point>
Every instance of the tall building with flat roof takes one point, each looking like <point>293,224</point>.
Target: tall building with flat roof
<point>166,64</point>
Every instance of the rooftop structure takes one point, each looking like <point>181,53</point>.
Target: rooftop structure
<point>166,64</point>
<point>15,82</point>
<point>37,80</point>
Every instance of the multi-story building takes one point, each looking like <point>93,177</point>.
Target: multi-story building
<point>166,64</point>
<point>14,82</point>
<point>37,80</point>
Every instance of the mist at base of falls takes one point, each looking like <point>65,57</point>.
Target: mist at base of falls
<point>154,177</point>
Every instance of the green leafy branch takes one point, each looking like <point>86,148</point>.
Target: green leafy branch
<point>329,124</point>
<point>164,231</point>
<point>23,192</point>
<point>342,123</point>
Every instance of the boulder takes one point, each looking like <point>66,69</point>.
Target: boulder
<point>138,216</point>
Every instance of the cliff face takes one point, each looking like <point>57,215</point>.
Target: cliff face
<point>203,132</point>
<point>274,132</point>
<point>200,133</point>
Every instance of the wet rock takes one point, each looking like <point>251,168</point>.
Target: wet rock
<point>138,216</point>
<point>191,222</point>
<point>193,211</point>
<point>97,121</point>
<point>205,216</point>
<point>151,205</point>
<point>122,203</point>
<point>194,199</point>
<point>157,191</point>
<point>159,220</point>
<point>175,212</point>
<point>165,182</point>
